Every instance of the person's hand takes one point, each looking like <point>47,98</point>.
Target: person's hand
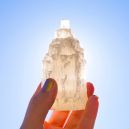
<point>42,101</point>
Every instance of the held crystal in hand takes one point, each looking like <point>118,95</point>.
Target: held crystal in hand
<point>65,63</point>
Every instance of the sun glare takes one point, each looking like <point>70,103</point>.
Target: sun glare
<point>65,24</point>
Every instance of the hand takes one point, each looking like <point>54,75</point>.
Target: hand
<point>42,101</point>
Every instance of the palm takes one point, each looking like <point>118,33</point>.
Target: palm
<point>64,119</point>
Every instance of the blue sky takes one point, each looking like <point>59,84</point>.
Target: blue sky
<point>26,29</point>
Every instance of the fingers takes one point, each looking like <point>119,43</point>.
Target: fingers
<point>89,116</point>
<point>41,102</point>
<point>58,118</point>
<point>75,116</point>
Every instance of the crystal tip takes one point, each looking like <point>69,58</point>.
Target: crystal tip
<point>65,24</point>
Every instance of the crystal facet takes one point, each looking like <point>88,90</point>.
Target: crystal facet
<point>66,64</point>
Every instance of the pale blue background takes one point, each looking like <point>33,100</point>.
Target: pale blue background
<point>27,28</point>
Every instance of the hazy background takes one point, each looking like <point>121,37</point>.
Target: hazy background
<point>26,29</point>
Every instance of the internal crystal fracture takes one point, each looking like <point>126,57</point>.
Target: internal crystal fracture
<point>65,63</point>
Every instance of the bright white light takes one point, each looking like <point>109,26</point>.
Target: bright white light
<point>65,24</point>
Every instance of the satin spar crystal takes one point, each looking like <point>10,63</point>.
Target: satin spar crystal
<point>66,64</point>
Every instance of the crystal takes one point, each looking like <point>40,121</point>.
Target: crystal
<point>66,64</point>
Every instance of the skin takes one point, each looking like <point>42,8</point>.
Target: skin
<point>41,102</point>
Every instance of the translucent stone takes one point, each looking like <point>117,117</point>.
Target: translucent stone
<point>66,64</point>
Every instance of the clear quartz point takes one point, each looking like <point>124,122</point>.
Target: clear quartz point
<point>65,63</point>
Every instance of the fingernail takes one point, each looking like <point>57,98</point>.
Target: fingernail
<point>47,85</point>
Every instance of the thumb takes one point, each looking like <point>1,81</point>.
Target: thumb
<point>42,101</point>
<point>47,95</point>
